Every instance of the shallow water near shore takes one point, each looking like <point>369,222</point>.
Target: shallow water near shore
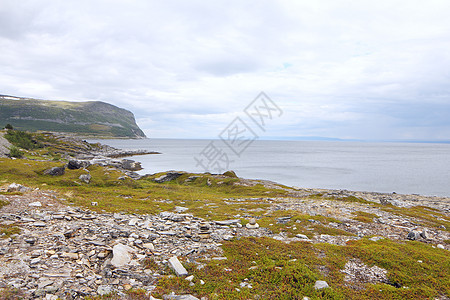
<point>407,168</point>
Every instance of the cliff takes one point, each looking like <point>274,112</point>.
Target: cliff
<point>88,119</point>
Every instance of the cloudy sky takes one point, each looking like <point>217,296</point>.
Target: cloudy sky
<point>342,69</point>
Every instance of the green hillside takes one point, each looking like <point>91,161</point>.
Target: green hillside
<point>89,119</point>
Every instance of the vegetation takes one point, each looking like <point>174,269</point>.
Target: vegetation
<point>277,270</point>
<point>22,139</point>
<point>15,152</point>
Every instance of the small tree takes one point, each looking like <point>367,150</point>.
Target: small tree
<point>9,127</point>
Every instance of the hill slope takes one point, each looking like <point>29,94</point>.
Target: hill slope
<point>92,118</point>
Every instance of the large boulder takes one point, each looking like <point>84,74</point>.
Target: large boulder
<point>55,171</point>
<point>77,164</point>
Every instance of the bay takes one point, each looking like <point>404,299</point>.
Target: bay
<point>407,168</point>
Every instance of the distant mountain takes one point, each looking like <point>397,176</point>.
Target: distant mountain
<point>88,119</point>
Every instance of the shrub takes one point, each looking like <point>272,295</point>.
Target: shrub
<point>21,139</point>
<point>15,152</point>
<point>9,127</point>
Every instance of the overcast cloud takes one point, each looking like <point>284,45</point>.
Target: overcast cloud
<point>343,69</point>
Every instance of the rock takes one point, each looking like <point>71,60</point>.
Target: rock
<point>177,267</point>
<point>190,278</point>
<point>15,187</point>
<point>121,255</point>
<point>169,176</point>
<point>180,297</point>
<point>149,246</point>
<point>180,209</point>
<point>94,203</point>
<point>39,224</point>
<point>131,165</point>
<point>228,222</point>
<point>320,284</point>
<point>77,164</point>
<point>283,220</point>
<point>252,224</point>
<point>302,236</point>
<point>440,246</point>
<point>425,235</point>
<point>104,289</point>
<point>413,235</point>
<point>86,178</point>
<point>35,204</point>
<point>51,297</point>
<point>70,255</point>
<point>55,171</point>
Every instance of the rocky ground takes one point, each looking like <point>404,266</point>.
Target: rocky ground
<point>70,252</point>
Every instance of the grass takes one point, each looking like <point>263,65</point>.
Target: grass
<point>8,230</point>
<point>276,270</point>
<point>364,217</point>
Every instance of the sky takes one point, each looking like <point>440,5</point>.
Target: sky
<point>372,70</point>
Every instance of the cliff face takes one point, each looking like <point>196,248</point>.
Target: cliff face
<point>92,118</point>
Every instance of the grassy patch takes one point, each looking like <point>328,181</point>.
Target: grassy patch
<point>3,203</point>
<point>423,215</point>
<point>7,230</point>
<point>276,270</point>
<point>364,217</point>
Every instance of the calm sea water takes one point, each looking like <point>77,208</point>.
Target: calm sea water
<point>378,167</point>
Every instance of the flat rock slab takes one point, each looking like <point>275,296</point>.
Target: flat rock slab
<point>177,267</point>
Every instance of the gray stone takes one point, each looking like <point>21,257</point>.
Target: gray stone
<point>169,176</point>
<point>413,235</point>
<point>55,171</point>
<point>228,222</point>
<point>35,204</point>
<point>15,187</point>
<point>104,289</point>
<point>320,284</point>
<point>86,178</point>
<point>39,224</point>
<point>424,234</point>
<point>302,236</point>
<point>180,297</point>
<point>121,255</point>
<point>177,267</point>
<point>440,246</point>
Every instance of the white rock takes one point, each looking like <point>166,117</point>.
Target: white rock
<point>121,255</point>
<point>320,284</point>
<point>177,267</point>
<point>190,278</point>
<point>149,246</point>
<point>440,246</point>
<point>35,204</point>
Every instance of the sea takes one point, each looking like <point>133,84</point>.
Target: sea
<point>406,168</point>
